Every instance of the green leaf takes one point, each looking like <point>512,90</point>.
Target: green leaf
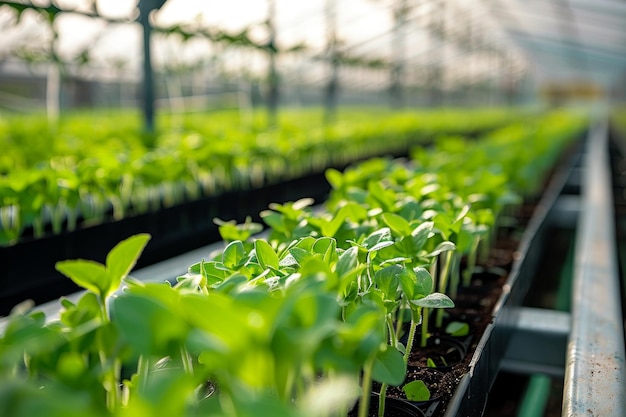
<point>300,255</point>
<point>424,283</point>
<point>380,235</point>
<point>416,391</point>
<point>421,233</point>
<point>327,247</point>
<point>265,254</point>
<point>434,300</point>
<point>354,212</point>
<point>389,367</point>
<point>387,280</point>
<point>274,220</point>
<point>330,228</point>
<point>397,223</point>
<point>442,247</point>
<point>334,177</point>
<point>379,193</point>
<point>233,254</point>
<point>288,261</point>
<point>380,245</point>
<point>122,258</point>
<point>464,211</point>
<point>28,335</point>
<point>444,224</point>
<point>89,275</point>
<point>323,244</point>
<point>71,366</point>
<point>347,261</point>
<point>457,328</point>
<point>147,324</point>
<point>306,243</point>
<point>212,271</point>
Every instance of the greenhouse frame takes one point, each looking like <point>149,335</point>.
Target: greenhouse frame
<point>331,208</point>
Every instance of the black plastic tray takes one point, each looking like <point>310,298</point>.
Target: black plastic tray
<point>470,397</point>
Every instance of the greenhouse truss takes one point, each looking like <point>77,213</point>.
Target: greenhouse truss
<point>331,208</point>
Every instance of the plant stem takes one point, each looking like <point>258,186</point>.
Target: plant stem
<point>471,261</point>
<point>443,283</point>
<point>381,400</point>
<point>393,339</point>
<point>425,314</point>
<point>454,275</point>
<point>399,324</point>
<point>409,342</point>
<point>110,381</point>
<point>366,387</point>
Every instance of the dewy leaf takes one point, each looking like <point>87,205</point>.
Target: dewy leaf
<point>389,367</point>
<point>233,254</point>
<point>265,254</point>
<point>123,258</point>
<point>89,275</point>
<point>434,300</point>
<point>416,391</point>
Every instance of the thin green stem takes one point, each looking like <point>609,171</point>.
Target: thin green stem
<point>409,342</point>
<point>471,261</point>
<point>381,400</point>
<point>443,283</point>
<point>425,319</point>
<point>366,388</point>
<point>393,339</point>
<point>399,324</point>
<point>454,275</point>
<point>111,381</point>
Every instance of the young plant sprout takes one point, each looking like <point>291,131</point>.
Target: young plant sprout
<point>416,391</point>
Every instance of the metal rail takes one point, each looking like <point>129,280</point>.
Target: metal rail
<point>594,374</point>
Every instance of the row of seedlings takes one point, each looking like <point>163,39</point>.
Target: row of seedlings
<point>323,317</point>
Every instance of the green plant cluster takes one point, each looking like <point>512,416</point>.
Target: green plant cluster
<point>97,167</point>
<point>296,323</point>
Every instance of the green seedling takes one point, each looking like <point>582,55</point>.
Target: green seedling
<point>457,329</point>
<point>416,391</point>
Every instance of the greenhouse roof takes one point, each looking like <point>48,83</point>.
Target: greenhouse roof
<point>569,39</point>
<point>561,40</point>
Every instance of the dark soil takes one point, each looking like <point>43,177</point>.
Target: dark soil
<point>444,352</point>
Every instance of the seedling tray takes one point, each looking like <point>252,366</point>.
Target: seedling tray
<point>471,394</point>
<point>27,269</point>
